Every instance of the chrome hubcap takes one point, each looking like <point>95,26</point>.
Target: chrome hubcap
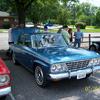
<point>39,75</point>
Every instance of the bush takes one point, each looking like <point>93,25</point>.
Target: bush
<point>6,25</point>
<point>82,25</point>
<point>97,27</point>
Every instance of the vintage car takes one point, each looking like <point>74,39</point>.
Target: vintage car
<point>95,46</point>
<point>50,58</point>
<point>5,84</point>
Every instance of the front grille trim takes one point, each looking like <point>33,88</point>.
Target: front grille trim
<point>76,65</point>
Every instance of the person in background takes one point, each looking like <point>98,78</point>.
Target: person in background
<point>59,31</point>
<point>65,34</point>
<point>10,38</point>
<point>70,34</point>
<point>78,37</point>
<point>36,29</point>
<point>10,35</point>
<point>45,29</point>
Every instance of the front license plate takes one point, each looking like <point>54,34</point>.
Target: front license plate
<point>81,75</point>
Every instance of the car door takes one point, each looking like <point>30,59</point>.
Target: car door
<point>29,53</point>
<point>19,51</point>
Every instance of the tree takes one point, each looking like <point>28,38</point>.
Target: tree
<point>85,12</point>
<point>22,6</point>
<point>19,7</point>
<point>98,17</point>
<point>42,10</point>
<point>63,17</point>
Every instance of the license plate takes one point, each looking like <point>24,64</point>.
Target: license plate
<point>81,75</point>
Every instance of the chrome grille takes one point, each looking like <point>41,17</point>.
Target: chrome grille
<point>77,65</point>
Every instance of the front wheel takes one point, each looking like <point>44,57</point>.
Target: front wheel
<point>87,76</point>
<point>40,77</point>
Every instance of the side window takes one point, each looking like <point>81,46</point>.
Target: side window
<point>24,39</point>
<point>20,40</point>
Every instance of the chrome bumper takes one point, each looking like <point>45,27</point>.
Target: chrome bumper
<point>5,91</point>
<point>74,73</point>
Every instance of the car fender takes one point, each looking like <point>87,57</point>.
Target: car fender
<point>45,67</point>
<point>40,63</point>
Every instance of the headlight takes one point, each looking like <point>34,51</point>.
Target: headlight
<point>94,62</point>
<point>57,68</point>
<point>4,79</point>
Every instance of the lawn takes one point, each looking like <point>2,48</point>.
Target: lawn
<point>3,30</point>
<point>89,29</point>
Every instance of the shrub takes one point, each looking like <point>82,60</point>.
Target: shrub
<point>6,25</point>
<point>97,27</point>
<point>82,25</point>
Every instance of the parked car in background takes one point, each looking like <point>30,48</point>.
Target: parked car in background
<point>50,58</point>
<point>95,46</point>
<point>5,84</point>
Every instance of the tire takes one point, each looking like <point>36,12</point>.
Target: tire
<point>40,77</point>
<point>92,48</point>
<point>3,98</point>
<point>14,59</point>
<point>87,76</point>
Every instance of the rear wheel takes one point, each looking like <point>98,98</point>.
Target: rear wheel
<point>40,77</point>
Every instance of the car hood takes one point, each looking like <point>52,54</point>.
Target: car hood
<point>3,68</point>
<point>55,55</point>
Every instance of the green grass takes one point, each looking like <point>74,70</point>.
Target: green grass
<point>90,27</point>
<point>91,30</point>
<point>3,30</point>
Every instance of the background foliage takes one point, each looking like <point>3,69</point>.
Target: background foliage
<point>54,11</point>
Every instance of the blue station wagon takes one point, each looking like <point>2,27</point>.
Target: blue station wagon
<point>50,58</point>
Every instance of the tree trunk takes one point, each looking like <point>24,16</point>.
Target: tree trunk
<point>20,12</point>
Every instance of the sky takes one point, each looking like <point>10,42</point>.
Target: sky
<point>93,2</point>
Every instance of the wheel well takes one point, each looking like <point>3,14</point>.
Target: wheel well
<point>94,45</point>
<point>35,64</point>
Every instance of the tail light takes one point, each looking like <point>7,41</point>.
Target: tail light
<point>4,80</point>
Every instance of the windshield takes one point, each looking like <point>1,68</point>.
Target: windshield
<point>48,40</point>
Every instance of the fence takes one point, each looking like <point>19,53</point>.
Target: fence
<point>88,40</point>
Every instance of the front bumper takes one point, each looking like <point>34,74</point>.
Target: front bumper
<point>5,91</point>
<point>74,73</point>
